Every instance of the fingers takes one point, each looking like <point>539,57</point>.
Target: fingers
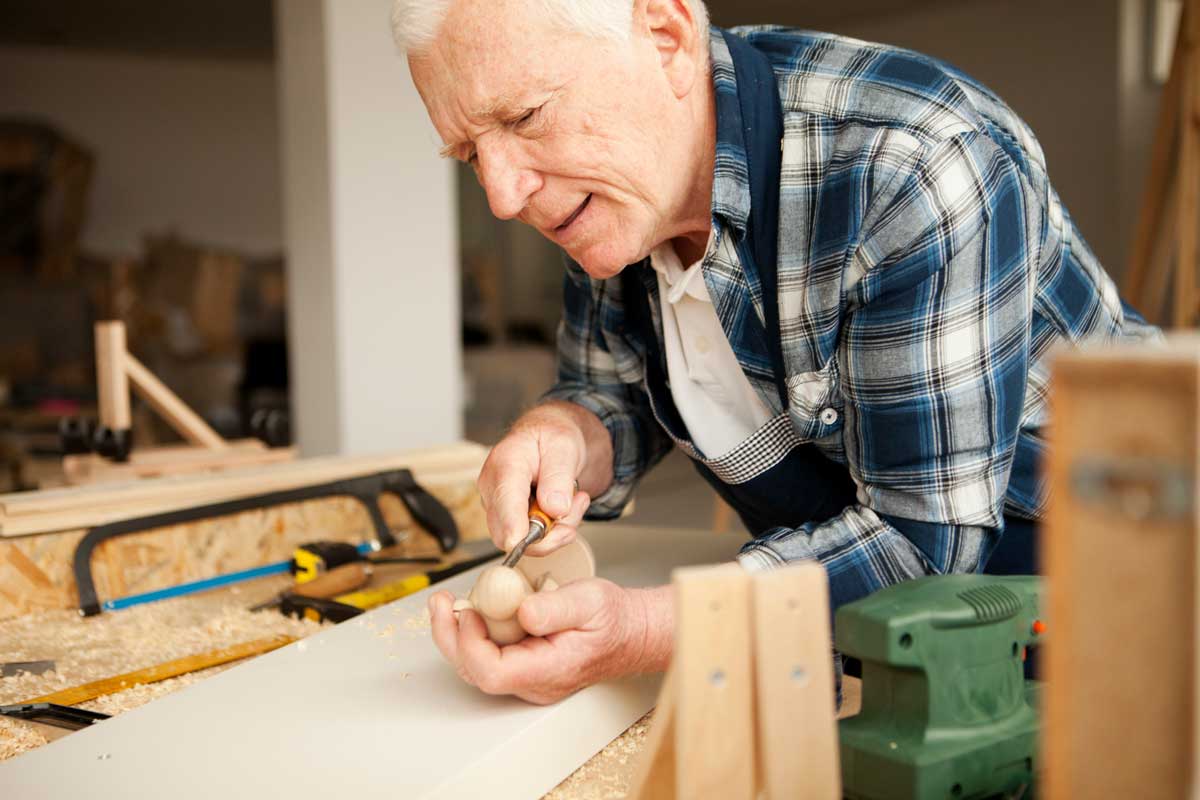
<point>556,479</point>
<point>512,512</point>
<point>564,531</point>
<point>544,449</point>
<point>572,606</point>
<point>444,625</point>
<point>504,488</point>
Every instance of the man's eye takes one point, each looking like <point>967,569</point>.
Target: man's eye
<point>527,117</point>
<point>473,159</point>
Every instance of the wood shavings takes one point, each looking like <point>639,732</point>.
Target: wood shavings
<point>85,650</point>
<point>607,775</point>
<point>17,737</point>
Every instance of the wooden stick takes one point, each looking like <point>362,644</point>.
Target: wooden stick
<point>160,672</point>
<point>112,384</point>
<point>1187,261</point>
<point>176,412</point>
<point>1154,195</point>
<point>797,726</point>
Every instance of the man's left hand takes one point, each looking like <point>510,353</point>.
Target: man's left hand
<point>580,634</point>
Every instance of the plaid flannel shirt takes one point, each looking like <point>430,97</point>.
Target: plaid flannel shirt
<point>925,269</point>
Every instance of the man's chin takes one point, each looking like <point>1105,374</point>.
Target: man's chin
<point>602,265</point>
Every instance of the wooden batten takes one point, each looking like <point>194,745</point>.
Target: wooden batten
<point>35,569</point>
<point>71,508</point>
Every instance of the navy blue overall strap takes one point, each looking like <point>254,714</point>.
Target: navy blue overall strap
<point>762,134</point>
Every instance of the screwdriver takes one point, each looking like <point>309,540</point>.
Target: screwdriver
<point>539,523</point>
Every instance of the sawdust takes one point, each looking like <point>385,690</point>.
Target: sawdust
<point>16,737</point>
<point>85,650</point>
<point>607,775</point>
<point>420,622</point>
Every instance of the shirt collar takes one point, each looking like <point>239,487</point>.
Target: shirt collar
<point>731,184</point>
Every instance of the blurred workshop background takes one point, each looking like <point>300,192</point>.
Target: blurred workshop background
<point>253,188</point>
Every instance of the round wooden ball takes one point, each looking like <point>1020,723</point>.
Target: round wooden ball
<point>499,591</point>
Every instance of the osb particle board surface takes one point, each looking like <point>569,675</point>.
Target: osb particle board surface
<point>36,572</point>
<point>384,689</point>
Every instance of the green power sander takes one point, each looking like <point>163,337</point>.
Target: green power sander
<point>946,710</point>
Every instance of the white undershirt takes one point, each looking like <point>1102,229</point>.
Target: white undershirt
<point>713,395</point>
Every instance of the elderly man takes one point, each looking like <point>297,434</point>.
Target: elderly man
<point>829,271</point>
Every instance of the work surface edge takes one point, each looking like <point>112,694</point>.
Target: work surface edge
<point>372,703</point>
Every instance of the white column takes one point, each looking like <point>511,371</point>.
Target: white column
<point>372,238</point>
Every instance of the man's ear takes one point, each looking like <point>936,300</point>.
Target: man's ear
<point>671,27</point>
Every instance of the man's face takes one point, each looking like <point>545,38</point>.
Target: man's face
<point>573,135</point>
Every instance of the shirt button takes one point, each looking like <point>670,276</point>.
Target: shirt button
<point>829,416</point>
<point>702,345</point>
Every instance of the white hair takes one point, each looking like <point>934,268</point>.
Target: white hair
<point>415,23</point>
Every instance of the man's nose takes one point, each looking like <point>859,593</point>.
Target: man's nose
<point>508,180</point>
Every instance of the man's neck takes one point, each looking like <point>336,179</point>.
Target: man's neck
<point>691,240</point>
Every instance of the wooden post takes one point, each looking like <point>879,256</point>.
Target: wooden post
<point>748,649</point>
<point>112,384</point>
<point>797,728</point>
<point>1120,555</point>
<point>714,736</point>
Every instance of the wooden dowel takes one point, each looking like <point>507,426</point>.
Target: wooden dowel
<point>168,405</point>
<point>112,385</point>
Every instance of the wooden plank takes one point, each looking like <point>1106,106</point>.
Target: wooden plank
<point>177,413</point>
<point>160,672</point>
<point>373,703</point>
<point>714,734</point>
<point>112,382</point>
<point>157,462</point>
<point>1119,569</point>
<point>796,699</point>
<point>71,508</point>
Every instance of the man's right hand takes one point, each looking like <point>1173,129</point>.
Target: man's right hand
<point>552,447</point>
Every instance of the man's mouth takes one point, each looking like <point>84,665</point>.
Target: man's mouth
<point>574,215</point>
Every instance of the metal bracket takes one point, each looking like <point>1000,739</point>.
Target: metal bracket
<point>1141,489</point>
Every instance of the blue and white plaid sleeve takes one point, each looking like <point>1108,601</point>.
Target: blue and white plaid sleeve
<point>934,356</point>
<point>588,376</point>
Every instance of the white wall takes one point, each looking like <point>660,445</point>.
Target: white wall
<point>183,143</point>
<point>372,238</point>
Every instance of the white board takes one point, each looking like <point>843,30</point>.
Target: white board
<point>365,709</point>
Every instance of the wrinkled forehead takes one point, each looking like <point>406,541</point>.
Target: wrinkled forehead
<point>489,53</point>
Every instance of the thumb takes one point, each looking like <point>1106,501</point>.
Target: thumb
<point>572,606</point>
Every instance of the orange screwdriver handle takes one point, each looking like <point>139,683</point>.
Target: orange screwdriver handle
<point>536,513</point>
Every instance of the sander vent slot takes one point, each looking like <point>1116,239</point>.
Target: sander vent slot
<point>992,603</point>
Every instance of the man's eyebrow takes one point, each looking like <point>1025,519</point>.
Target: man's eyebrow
<point>502,109</point>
